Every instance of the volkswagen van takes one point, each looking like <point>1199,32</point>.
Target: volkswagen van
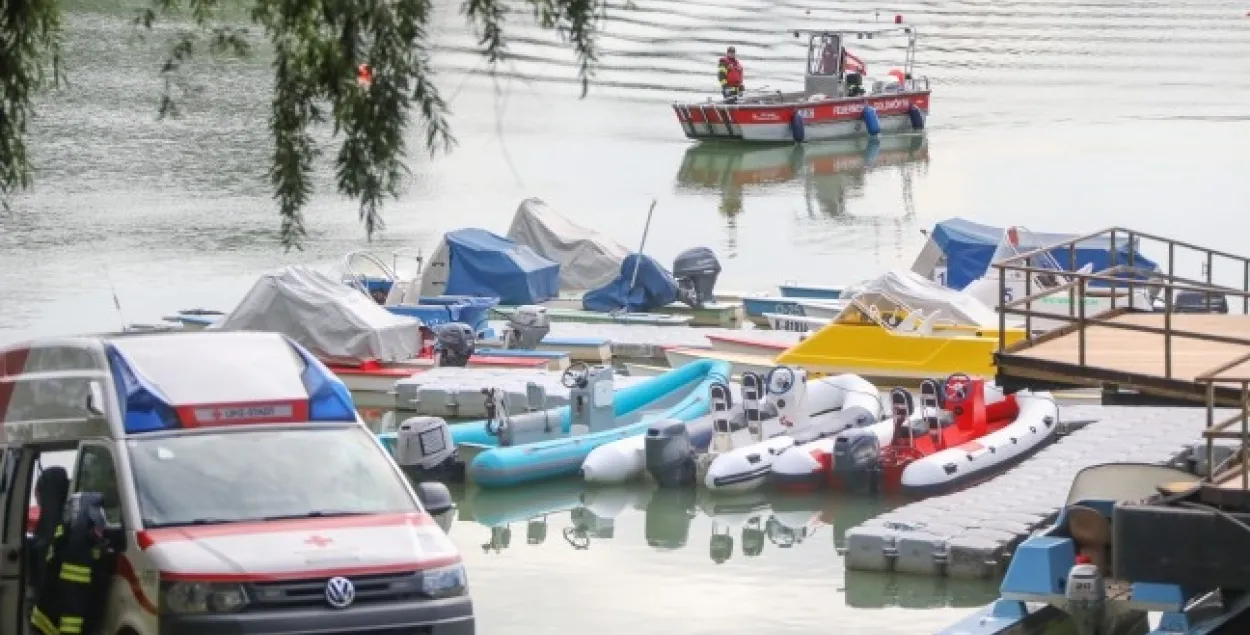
<point>238,490</point>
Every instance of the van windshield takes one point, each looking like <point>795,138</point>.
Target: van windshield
<point>264,475</point>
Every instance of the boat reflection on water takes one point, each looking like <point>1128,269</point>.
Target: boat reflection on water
<point>592,512</point>
<point>876,590</point>
<point>828,174</point>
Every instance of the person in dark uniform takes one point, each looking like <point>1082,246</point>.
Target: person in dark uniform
<point>729,72</point>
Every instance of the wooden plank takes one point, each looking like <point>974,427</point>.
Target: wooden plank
<point>1142,353</point>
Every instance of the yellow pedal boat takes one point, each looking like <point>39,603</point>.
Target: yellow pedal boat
<point>904,328</point>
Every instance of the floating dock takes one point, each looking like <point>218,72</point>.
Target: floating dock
<point>1140,353</point>
<point>457,392</point>
<point>971,533</point>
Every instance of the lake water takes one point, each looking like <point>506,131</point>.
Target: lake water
<point>1059,116</point>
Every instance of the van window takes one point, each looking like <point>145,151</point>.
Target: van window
<point>249,475</point>
<point>96,473</point>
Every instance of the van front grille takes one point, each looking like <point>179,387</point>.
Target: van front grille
<point>390,587</point>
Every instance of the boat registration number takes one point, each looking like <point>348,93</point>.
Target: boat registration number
<point>1082,589</point>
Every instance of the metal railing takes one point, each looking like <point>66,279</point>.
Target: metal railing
<point>1224,374</point>
<point>1111,281</point>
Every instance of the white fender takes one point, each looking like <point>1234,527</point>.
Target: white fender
<point>617,462</point>
<point>1036,425</point>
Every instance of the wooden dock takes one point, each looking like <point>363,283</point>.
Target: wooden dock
<point>1131,352</point>
<point>1111,352</point>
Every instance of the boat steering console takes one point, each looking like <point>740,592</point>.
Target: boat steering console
<point>957,389</point>
<point>577,375</point>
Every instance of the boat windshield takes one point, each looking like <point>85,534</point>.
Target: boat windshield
<point>1123,481</point>
<point>886,311</point>
<point>241,476</point>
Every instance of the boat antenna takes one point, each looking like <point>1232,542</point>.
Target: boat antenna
<point>638,261</point>
<point>117,304</point>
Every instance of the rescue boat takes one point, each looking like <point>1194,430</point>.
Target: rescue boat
<point>967,440</point>
<point>839,99</point>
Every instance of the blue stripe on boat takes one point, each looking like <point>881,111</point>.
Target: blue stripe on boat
<point>512,352</point>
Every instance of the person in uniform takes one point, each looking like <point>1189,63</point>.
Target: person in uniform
<point>729,72</point>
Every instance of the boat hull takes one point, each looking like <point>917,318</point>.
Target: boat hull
<point>563,455</point>
<point>823,120</point>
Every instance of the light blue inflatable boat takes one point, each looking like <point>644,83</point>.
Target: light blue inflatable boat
<point>553,443</point>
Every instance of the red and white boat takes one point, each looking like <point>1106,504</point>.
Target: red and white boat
<point>838,101</point>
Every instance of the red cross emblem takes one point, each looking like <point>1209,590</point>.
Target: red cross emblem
<point>318,541</point>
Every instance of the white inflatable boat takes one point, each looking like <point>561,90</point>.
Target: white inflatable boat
<point>737,467</point>
<point>627,459</point>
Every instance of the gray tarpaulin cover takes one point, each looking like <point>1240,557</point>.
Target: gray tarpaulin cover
<point>588,260</point>
<point>333,321</point>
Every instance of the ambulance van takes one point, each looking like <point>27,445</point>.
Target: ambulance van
<point>217,484</point>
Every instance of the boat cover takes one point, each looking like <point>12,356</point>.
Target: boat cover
<point>653,289</point>
<point>475,262</point>
<point>588,260</point>
<point>919,293</point>
<point>333,321</point>
<point>970,248</point>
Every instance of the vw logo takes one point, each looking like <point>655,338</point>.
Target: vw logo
<point>340,593</point>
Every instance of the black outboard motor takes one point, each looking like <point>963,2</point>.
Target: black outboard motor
<point>454,343</point>
<point>854,85</point>
<point>1199,302</point>
<point>669,454</point>
<point>696,271</point>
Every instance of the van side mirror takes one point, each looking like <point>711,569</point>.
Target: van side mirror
<point>435,497</point>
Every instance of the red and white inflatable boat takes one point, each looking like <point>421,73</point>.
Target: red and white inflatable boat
<point>965,440</point>
<point>838,101</point>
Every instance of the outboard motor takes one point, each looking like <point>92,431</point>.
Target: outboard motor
<point>590,397</point>
<point>423,448</point>
<point>787,389</point>
<point>856,456</point>
<point>526,327</point>
<point>669,454</point>
<point>1086,597</point>
<point>696,271</point>
<point>454,343</point>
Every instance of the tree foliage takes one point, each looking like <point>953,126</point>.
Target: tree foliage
<point>317,47</point>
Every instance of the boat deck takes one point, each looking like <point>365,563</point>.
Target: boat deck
<point>971,533</point>
<point>1139,351</point>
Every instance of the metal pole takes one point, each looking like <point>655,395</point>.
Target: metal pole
<point>1169,296</point>
<point>1071,290</point>
<point>1115,288</point>
<point>1081,309</point>
<point>642,245</point>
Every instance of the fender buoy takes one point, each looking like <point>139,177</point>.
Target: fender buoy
<point>797,132</point>
<point>871,152</point>
<point>871,122</point>
<point>917,117</point>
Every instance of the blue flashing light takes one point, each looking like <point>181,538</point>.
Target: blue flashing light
<point>328,397</point>
<point>144,407</point>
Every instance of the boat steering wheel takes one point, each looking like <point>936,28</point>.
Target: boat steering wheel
<point>785,374</point>
<point>956,388</point>
<point>575,376</point>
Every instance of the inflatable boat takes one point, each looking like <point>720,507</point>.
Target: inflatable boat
<point>506,449</point>
<point>669,449</point>
<point>966,441</point>
<point>806,466</point>
<point>738,464</point>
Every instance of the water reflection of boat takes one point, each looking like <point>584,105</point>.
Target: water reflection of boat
<point>591,512</point>
<point>830,173</point>
<point>749,517</point>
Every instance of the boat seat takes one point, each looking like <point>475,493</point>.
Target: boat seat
<point>911,322</point>
<point>1091,531</point>
<point>926,327</point>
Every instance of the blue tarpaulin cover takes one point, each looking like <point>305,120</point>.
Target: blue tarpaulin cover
<point>653,289</point>
<point>970,247</point>
<point>483,264</point>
